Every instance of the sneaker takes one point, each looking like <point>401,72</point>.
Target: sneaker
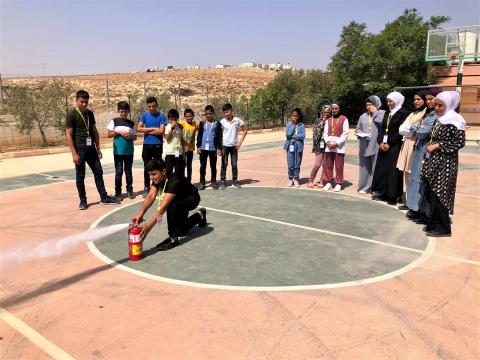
<point>295,183</point>
<point>236,184</point>
<point>290,183</point>
<point>337,188</point>
<point>214,185</point>
<point>203,214</point>
<point>201,186</point>
<point>223,185</point>
<point>118,198</point>
<point>83,205</point>
<point>131,195</point>
<point>327,187</point>
<point>167,244</point>
<point>403,207</point>
<point>362,192</point>
<point>435,233</point>
<point>109,201</point>
<point>145,192</point>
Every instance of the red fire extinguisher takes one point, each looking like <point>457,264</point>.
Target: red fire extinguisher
<point>135,243</point>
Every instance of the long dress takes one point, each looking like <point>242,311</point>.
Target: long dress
<point>387,179</point>
<point>368,147</point>
<point>318,148</point>
<point>441,168</point>
<point>421,132</point>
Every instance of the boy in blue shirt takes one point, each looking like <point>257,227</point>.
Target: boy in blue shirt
<point>209,145</point>
<point>124,134</point>
<point>152,124</point>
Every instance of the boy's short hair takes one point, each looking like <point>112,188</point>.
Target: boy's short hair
<point>82,94</point>
<point>188,111</point>
<point>173,114</point>
<point>123,105</point>
<point>227,106</point>
<point>210,108</point>
<point>151,99</point>
<point>156,164</point>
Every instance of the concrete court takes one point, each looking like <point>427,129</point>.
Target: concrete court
<point>79,306</point>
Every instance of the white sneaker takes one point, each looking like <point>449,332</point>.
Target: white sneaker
<point>296,184</point>
<point>290,183</point>
<point>327,187</point>
<point>362,192</point>
<point>337,188</point>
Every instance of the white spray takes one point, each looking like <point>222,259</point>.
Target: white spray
<point>52,248</point>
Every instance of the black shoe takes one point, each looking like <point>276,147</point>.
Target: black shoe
<point>214,185</point>
<point>203,214</point>
<point>131,195</point>
<point>403,207</point>
<point>109,201</point>
<point>201,186</point>
<point>236,184</point>
<point>223,185</point>
<point>377,197</point>
<point>118,198</point>
<point>83,205</point>
<point>422,220</point>
<point>167,244</point>
<point>412,214</point>
<point>434,233</point>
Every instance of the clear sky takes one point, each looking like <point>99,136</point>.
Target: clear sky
<point>89,37</point>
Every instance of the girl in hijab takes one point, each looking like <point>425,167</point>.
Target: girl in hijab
<point>387,179</point>
<point>367,132</point>
<point>319,145</point>
<point>335,134</point>
<point>441,164</point>
<point>421,132</point>
<point>403,162</point>
<point>295,133</point>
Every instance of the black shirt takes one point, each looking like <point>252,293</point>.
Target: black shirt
<point>180,186</point>
<point>78,123</point>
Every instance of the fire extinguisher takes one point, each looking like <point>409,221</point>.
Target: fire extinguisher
<point>135,243</point>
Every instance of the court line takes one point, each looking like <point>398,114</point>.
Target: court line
<point>35,337</point>
<point>425,254</point>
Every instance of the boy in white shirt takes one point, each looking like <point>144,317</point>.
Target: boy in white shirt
<point>231,125</point>
<point>173,146</point>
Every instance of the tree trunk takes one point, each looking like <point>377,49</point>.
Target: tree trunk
<point>42,133</point>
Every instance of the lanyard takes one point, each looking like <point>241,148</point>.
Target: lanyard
<point>209,129</point>
<point>434,132</point>
<point>334,125</point>
<point>87,123</point>
<point>161,196</point>
<point>369,122</point>
<point>388,122</point>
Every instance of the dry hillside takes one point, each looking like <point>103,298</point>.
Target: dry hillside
<point>193,84</point>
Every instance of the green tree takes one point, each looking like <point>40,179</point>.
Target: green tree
<point>42,106</point>
<point>366,63</point>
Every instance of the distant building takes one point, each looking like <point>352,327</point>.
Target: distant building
<point>222,66</point>
<point>193,67</point>
<point>288,67</point>
<point>250,64</point>
<point>169,68</point>
<point>276,67</point>
<point>152,68</point>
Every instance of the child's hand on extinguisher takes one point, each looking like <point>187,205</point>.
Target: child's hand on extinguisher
<point>137,219</point>
<point>147,227</point>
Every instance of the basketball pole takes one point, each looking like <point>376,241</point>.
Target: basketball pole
<point>460,77</point>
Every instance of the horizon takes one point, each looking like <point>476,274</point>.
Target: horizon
<point>123,36</point>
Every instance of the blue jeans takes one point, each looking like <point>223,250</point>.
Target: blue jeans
<point>294,161</point>
<point>123,162</point>
<point>90,157</point>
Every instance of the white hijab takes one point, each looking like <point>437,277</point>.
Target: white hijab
<point>398,99</point>
<point>451,99</point>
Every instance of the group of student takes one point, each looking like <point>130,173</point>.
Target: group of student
<point>405,157</point>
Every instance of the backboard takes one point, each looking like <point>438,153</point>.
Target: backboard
<point>453,44</point>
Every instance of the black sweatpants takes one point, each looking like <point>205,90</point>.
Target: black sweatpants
<point>175,166</point>
<point>212,155</point>
<point>150,152</point>
<point>177,215</point>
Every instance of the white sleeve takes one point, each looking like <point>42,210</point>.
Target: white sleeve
<point>241,123</point>
<point>404,129</point>
<point>111,126</point>
<point>341,140</point>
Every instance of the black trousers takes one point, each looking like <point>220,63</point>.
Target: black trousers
<point>177,215</point>
<point>212,155</point>
<point>150,152</point>
<point>188,164</point>
<point>438,220</point>
<point>89,156</point>
<point>232,150</point>
<point>175,166</point>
